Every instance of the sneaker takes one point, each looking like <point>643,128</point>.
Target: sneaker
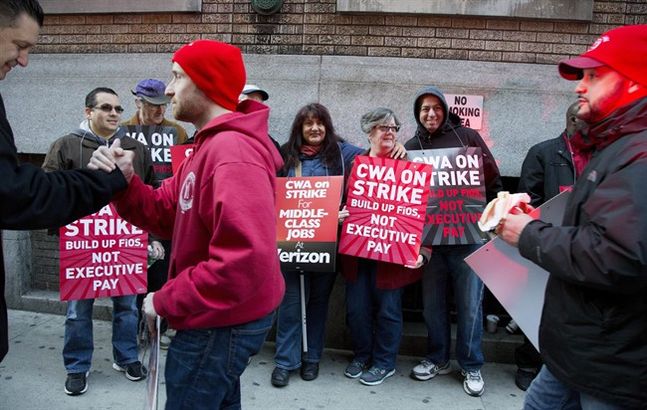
<point>76,383</point>
<point>375,376</point>
<point>134,371</point>
<point>473,383</point>
<point>426,370</point>
<point>354,369</point>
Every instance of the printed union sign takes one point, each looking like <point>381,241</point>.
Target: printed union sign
<point>457,196</point>
<point>386,200</point>
<point>102,255</point>
<point>307,211</point>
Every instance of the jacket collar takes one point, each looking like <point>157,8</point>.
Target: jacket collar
<point>626,120</point>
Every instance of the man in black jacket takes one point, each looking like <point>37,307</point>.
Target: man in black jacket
<point>593,331</point>
<point>550,167</point>
<point>29,197</point>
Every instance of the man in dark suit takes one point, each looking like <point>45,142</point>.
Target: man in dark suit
<point>29,197</point>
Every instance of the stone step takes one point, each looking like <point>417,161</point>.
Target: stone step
<point>497,347</point>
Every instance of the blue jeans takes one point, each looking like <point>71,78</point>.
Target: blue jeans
<point>79,345</point>
<point>447,264</point>
<point>548,393</point>
<point>374,317</point>
<point>203,366</point>
<point>318,286</point>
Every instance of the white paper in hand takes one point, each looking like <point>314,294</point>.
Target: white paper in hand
<point>517,283</point>
<point>499,207</point>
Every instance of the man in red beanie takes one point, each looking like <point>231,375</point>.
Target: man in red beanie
<point>593,332</point>
<point>224,278</point>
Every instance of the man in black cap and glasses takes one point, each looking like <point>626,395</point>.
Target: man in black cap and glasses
<point>151,105</point>
<point>147,123</point>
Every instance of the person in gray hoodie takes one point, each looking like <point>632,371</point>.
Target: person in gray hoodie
<point>437,129</point>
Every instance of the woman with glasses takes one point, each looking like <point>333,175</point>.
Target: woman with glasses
<point>373,288</point>
<point>313,149</point>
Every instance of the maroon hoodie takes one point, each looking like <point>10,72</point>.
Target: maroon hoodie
<point>219,211</point>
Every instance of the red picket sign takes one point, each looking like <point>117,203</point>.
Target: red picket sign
<point>307,211</point>
<point>387,200</point>
<point>457,196</point>
<point>102,255</point>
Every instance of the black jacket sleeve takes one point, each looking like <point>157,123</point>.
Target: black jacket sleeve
<point>30,198</point>
<point>608,250</point>
<point>531,180</point>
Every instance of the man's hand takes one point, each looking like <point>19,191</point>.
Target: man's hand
<point>106,159</point>
<point>343,214</point>
<point>419,262</point>
<point>148,309</point>
<point>510,227</point>
<point>156,250</point>
<point>103,159</point>
<point>398,152</point>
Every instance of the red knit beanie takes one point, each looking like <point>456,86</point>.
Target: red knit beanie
<point>216,68</point>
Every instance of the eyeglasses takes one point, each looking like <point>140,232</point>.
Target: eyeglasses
<point>107,108</point>
<point>385,128</point>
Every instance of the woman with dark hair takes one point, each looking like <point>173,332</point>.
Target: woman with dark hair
<point>313,149</point>
<point>313,141</point>
<point>374,288</point>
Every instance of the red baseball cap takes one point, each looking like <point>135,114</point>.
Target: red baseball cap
<point>624,49</point>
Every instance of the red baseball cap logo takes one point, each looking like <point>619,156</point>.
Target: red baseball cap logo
<point>623,49</point>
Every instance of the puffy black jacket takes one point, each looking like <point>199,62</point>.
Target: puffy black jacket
<point>547,167</point>
<point>593,332</point>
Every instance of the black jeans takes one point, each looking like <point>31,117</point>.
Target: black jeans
<point>526,356</point>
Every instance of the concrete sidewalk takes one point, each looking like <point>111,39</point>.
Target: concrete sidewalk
<point>32,378</point>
